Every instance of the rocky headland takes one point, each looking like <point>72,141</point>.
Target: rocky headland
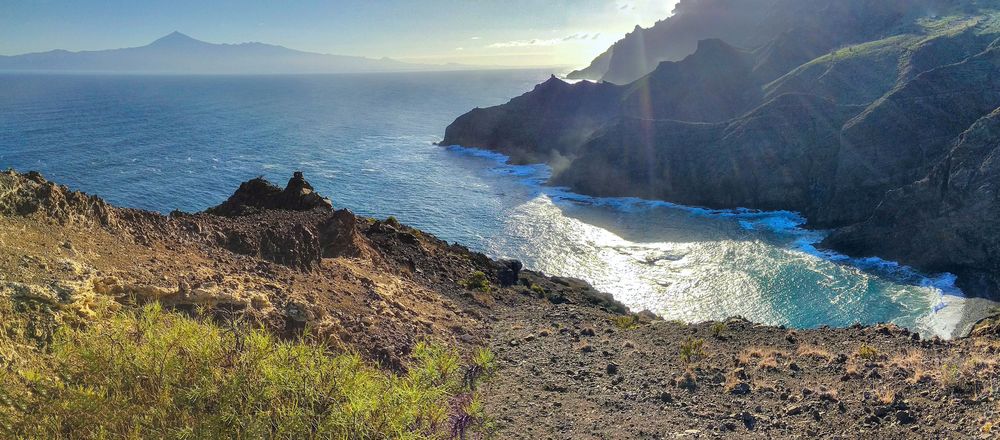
<point>872,119</point>
<point>572,362</point>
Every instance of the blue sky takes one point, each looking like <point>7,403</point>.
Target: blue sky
<point>499,32</point>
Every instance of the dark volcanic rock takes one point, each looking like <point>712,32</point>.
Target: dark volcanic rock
<point>947,221</point>
<point>294,245</point>
<point>340,237</point>
<point>509,272</point>
<point>259,194</point>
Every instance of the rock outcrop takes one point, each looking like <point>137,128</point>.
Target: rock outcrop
<point>258,194</point>
<point>31,194</point>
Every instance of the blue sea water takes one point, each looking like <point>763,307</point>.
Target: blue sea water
<point>367,141</point>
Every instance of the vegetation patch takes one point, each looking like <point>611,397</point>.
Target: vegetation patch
<point>692,350</point>
<point>719,329</point>
<point>626,322</point>
<point>867,352</point>
<point>160,374</point>
<point>478,281</point>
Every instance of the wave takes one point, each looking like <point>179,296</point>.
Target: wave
<point>788,225</point>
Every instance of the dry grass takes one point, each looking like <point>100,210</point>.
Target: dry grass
<point>763,357</point>
<point>828,394</point>
<point>734,378</point>
<point>886,395</point>
<point>852,369</point>
<point>814,351</point>
<point>911,359</point>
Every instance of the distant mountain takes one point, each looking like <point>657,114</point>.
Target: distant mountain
<point>879,120</point>
<point>750,24</point>
<point>179,53</point>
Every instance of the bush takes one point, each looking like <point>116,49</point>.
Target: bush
<point>158,374</point>
<point>392,221</point>
<point>478,281</point>
<point>539,290</point>
<point>626,322</point>
<point>692,350</point>
<point>719,329</point>
<point>867,352</point>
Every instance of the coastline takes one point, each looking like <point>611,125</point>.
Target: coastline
<point>806,240</point>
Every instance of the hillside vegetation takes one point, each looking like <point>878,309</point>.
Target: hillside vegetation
<point>153,373</point>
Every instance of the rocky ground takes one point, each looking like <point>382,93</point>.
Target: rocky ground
<point>573,362</point>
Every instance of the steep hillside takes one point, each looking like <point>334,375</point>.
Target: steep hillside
<point>246,321</point>
<point>775,126</point>
<point>792,31</point>
<point>946,221</point>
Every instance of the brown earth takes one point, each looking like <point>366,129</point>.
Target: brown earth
<point>573,362</point>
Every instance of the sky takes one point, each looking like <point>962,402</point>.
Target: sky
<point>481,32</point>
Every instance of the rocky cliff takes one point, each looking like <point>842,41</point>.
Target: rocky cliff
<point>947,221</point>
<point>826,117</point>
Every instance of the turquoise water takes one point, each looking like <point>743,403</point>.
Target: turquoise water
<point>176,142</point>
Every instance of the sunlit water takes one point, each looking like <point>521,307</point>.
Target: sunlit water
<point>164,143</point>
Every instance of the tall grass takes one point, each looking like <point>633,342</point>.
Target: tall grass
<point>160,374</point>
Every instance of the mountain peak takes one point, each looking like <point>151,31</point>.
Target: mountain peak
<point>174,38</point>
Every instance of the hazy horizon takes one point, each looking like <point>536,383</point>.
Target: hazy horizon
<point>522,33</point>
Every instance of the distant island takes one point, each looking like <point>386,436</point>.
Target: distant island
<point>877,120</point>
<point>179,53</point>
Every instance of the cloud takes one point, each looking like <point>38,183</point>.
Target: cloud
<point>459,49</point>
<point>644,12</point>
<point>579,36</point>
<point>475,38</point>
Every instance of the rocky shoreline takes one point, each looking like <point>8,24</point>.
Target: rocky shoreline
<point>573,362</point>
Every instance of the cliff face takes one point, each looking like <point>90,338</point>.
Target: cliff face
<point>947,221</point>
<point>789,124</point>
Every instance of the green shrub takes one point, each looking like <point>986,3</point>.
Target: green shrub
<point>626,322</point>
<point>539,290</point>
<point>485,359</point>
<point>478,281</point>
<point>392,221</point>
<point>867,352</point>
<point>719,329</point>
<point>158,374</point>
<point>692,350</point>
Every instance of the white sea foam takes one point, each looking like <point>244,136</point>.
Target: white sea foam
<point>945,317</point>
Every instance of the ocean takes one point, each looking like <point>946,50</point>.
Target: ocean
<point>368,142</point>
